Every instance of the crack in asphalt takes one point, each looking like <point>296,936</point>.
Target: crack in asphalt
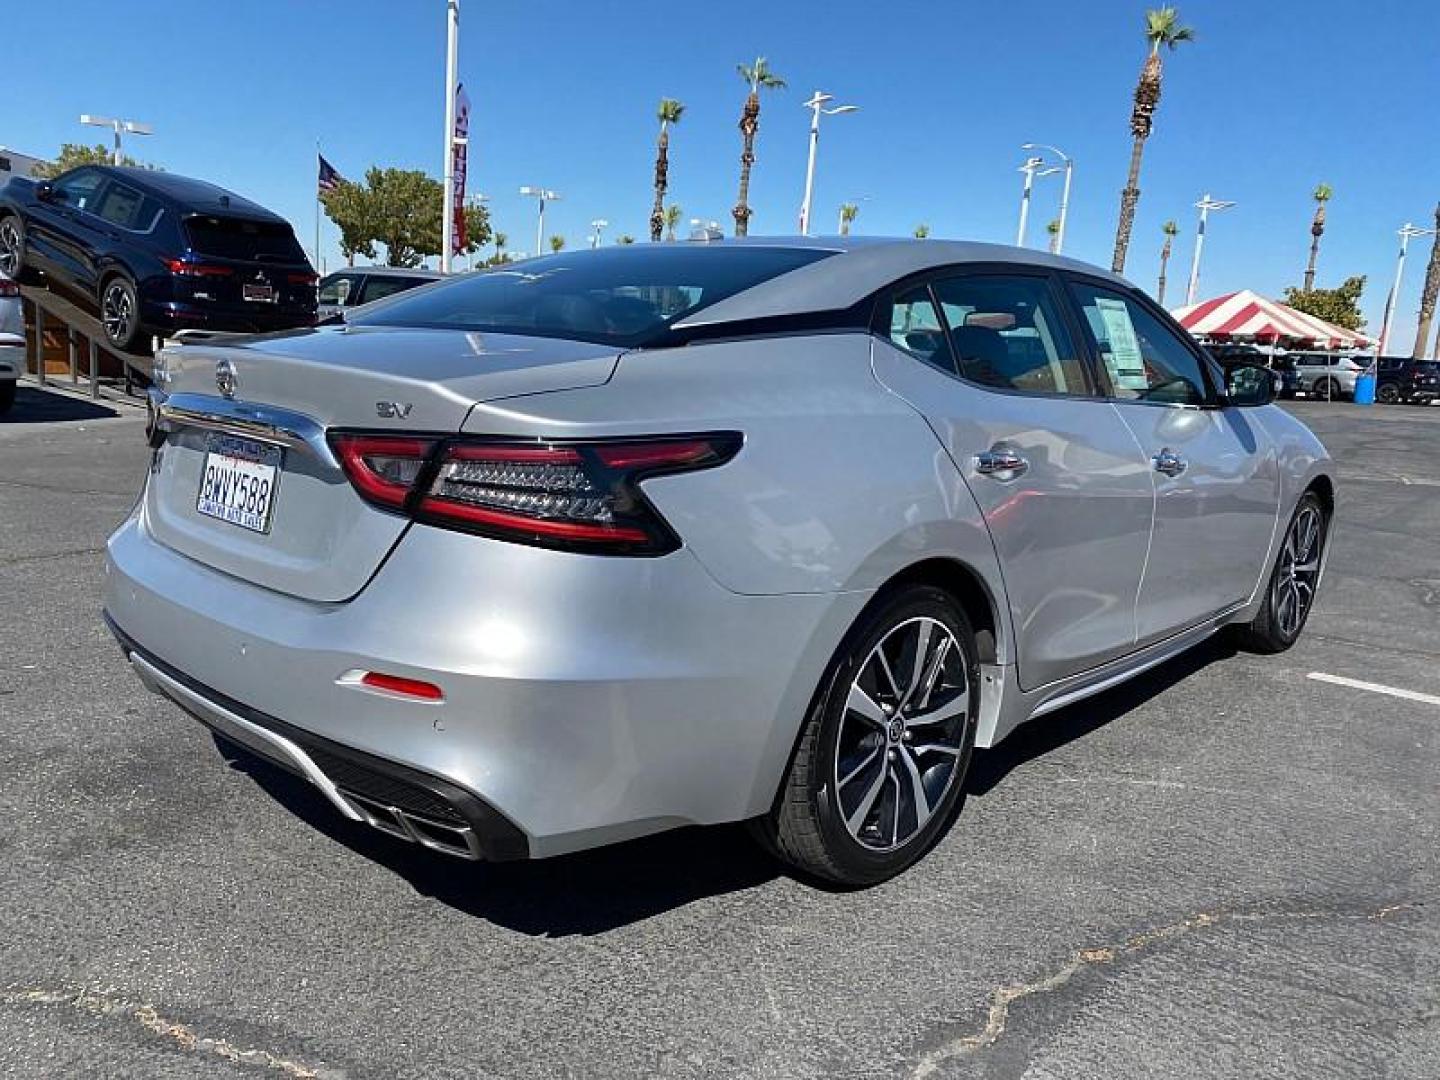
<point>104,1004</point>
<point>1003,997</point>
<point>45,556</point>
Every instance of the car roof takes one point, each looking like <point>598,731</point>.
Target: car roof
<point>859,266</point>
<point>389,271</point>
<point>198,195</point>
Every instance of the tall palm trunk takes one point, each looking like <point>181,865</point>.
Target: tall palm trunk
<point>662,175</point>
<point>1142,119</point>
<point>1164,263</point>
<point>1428,295</point>
<point>749,125</point>
<point>1317,230</point>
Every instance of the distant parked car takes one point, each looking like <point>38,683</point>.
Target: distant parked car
<point>157,252</point>
<point>1328,375</point>
<point>358,285</point>
<point>1228,356</point>
<point>12,341</point>
<point>1401,379</point>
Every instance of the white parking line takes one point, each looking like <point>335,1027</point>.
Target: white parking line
<point>1375,688</point>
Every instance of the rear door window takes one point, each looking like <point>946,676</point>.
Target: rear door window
<point>1006,332</point>
<point>249,241</point>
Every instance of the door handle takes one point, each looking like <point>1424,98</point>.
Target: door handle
<point>1169,462</point>
<point>1000,463</point>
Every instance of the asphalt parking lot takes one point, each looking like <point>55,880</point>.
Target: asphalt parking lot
<point>1225,869</point>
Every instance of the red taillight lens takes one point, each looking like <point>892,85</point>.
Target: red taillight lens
<point>383,468</point>
<point>302,279</point>
<point>8,288</point>
<point>580,497</point>
<point>189,269</point>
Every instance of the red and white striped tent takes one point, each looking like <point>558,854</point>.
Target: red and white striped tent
<point>1248,316</point>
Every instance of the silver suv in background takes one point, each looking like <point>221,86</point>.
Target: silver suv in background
<point>1327,375</point>
<point>357,285</point>
<point>12,341</point>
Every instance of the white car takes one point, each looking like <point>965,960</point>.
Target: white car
<point>12,341</point>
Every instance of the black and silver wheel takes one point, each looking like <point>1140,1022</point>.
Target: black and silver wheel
<point>1329,389</point>
<point>1290,593</point>
<point>119,311</point>
<point>1387,394</point>
<point>12,246</point>
<point>881,762</point>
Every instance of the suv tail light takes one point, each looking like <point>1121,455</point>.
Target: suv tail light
<point>189,269</point>
<point>8,288</point>
<point>573,496</point>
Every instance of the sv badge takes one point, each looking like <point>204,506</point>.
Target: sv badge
<point>393,410</point>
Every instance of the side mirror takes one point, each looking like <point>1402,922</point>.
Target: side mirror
<point>44,191</point>
<point>1248,385</point>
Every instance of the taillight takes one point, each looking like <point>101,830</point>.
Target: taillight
<point>302,279</point>
<point>189,269</point>
<point>8,288</point>
<point>574,496</point>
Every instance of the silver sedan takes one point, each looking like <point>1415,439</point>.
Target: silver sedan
<point>615,541</point>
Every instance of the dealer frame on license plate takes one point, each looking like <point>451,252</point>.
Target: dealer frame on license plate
<point>264,294</point>
<point>239,479</point>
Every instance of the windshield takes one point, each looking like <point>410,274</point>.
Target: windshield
<point>613,296</point>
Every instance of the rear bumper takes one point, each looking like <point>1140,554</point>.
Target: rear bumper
<point>587,699</point>
<point>254,318</point>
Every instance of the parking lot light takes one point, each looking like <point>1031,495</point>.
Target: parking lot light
<point>542,196</point>
<point>1405,232</point>
<point>1205,205</point>
<point>131,127</point>
<point>816,105</point>
<point>599,226</point>
<point>1068,164</point>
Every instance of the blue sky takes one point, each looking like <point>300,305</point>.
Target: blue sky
<point>1273,98</point>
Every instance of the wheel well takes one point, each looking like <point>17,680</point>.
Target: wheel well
<point>969,592</point>
<point>1325,490</point>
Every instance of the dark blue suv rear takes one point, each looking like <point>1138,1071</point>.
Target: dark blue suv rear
<point>158,252</point>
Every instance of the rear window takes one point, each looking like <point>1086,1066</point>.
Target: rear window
<point>236,238</point>
<point>619,296</point>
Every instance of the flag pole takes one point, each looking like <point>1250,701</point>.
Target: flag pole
<point>317,209</point>
<point>452,41</point>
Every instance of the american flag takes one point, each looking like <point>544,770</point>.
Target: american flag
<point>330,179</point>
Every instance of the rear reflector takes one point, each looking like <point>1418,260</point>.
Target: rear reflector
<point>575,496</point>
<point>394,684</point>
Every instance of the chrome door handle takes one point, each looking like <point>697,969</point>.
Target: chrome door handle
<point>1001,464</point>
<point>1169,462</point>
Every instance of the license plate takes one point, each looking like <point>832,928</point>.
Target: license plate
<point>258,292</point>
<point>238,482</point>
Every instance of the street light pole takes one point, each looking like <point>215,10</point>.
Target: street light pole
<point>1069,166</point>
<point>1028,168</point>
<point>542,195</point>
<point>1406,232</point>
<point>1205,205</point>
<point>131,127</point>
<point>452,51</point>
<point>816,106</point>
<point>598,225</point>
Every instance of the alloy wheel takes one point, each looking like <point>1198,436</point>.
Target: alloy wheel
<point>902,734</point>
<point>117,311</point>
<point>1298,571</point>
<point>10,248</point>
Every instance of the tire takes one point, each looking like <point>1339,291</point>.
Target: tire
<point>1387,394</point>
<point>1293,580</point>
<point>1328,390</point>
<point>7,395</point>
<point>120,311</point>
<point>12,246</point>
<point>868,764</point>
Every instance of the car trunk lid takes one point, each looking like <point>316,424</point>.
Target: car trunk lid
<point>248,484</point>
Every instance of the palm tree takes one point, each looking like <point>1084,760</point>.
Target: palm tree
<point>1428,295</point>
<point>1054,230</point>
<point>625,238</point>
<point>1170,229</point>
<point>922,231</point>
<point>759,77</point>
<point>557,243</point>
<point>672,219</point>
<point>1317,229</point>
<point>1162,27</point>
<point>500,241</point>
<point>848,212</point>
<point>668,113</point>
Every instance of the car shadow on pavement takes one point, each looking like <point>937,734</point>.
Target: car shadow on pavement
<point>1040,736</point>
<point>590,892</point>
<point>36,406</point>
